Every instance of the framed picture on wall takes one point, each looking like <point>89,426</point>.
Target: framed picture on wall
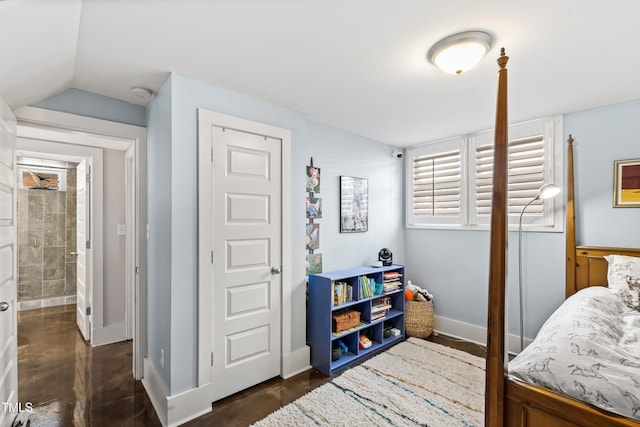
<point>626,183</point>
<point>354,204</point>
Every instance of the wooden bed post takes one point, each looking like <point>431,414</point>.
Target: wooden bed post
<point>496,355</point>
<point>571,225</point>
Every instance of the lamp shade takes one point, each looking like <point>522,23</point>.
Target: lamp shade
<point>460,52</point>
<point>548,190</point>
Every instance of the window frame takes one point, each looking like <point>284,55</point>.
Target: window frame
<point>551,221</point>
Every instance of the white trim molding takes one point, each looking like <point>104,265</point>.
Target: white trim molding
<point>473,333</point>
<point>108,334</point>
<point>296,362</point>
<point>179,408</point>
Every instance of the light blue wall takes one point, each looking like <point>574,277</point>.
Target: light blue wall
<point>603,135</point>
<point>76,101</point>
<point>336,152</point>
<point>453,265</point>
<point>159,174</point>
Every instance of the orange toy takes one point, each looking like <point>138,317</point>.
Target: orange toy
<point>408,295</point>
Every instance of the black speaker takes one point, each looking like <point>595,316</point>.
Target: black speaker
<point>385,256</point>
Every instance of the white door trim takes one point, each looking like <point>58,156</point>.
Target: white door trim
<point>120,136</point>
<point>207,119</point>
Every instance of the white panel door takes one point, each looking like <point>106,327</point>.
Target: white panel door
<point>83,307</point>
<point>8,269</point>
<point>246,224</point>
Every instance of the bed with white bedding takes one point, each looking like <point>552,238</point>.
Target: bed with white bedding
<point>589,349</point>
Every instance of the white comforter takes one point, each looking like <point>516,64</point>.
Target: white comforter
<point>588,349</point>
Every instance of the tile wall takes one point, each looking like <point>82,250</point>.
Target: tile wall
<point>46,238</point>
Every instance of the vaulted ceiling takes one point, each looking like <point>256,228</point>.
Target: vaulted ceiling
<point>359,65</point>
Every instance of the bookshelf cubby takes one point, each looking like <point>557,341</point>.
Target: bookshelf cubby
<point>334,292</point>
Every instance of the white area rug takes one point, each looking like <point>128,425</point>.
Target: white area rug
<point>416,382</point>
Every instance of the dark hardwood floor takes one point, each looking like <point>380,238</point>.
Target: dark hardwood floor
<point>71,384</point>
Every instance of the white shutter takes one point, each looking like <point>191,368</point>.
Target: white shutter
<point>436,185</point>
<point>526,175</point>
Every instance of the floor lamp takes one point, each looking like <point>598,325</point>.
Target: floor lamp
<point>545,192</point>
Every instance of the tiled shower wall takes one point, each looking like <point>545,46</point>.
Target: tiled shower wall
<point>46,237</point>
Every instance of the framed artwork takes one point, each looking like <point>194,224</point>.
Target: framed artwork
<point>354,204</point>
<point>626,183</point>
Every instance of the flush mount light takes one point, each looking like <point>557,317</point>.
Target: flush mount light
<point>142,92</point>
<point>460,52</point>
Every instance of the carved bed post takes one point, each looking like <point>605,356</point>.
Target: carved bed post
<point>496,355</point>
<point>571,225</point>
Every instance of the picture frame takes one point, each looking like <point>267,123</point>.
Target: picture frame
<point>354,204</point>
<point>626,183</point>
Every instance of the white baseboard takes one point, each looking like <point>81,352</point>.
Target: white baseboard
<point>473,333</point>
<point>156,390</point>
<point>296,362</point>
<point>176,409</point>
<point>109,334</point>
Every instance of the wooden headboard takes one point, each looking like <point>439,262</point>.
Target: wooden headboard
<point>591,267</point>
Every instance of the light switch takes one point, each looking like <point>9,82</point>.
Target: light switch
<point>122,229</point>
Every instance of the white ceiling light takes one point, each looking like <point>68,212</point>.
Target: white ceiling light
<point>460,52</point>
<point>142,92</point>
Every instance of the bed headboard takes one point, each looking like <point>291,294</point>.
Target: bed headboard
<point>591,267</point>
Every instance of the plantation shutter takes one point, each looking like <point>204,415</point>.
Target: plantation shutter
<point>436,184</point>
<point>526,176</point>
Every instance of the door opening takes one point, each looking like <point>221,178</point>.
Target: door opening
<point>117,195</point>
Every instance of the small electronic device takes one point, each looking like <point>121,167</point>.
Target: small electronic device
<point>385,256</point>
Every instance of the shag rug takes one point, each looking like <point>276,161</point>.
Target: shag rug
<point>414,383</point>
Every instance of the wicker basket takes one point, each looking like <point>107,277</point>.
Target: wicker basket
<point>418,318</point>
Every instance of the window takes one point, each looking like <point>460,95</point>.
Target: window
<point>449,183</point>
<point>436,178</point>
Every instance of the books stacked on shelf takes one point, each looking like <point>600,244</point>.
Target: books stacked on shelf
<point>380,308</point>
<point>342,292</point>
<point>392,281</point>
<point>367,286</point>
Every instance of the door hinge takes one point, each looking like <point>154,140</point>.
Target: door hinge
<point>88,244</point>
<point>212,358</point>
<point>211,154</point>
<point>137,270</point>
<point>211,257</point>
<point>88,177</point>
<point>88,311</point>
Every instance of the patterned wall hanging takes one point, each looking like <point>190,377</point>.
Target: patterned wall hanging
<point>313,212</point>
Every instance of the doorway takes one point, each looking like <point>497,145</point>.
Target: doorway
<point>116,297</point>
<point>244,272</point>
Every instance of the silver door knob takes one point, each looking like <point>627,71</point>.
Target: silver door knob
<point>73,253</point>
<point>4,306</point>
<point>275,270</point>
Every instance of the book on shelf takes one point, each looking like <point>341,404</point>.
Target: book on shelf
<point>389,275</point>
<point>367,286</point>
<point>342,292</point>
<point>389,286</point>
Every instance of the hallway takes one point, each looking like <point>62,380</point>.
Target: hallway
<point>71,384</point>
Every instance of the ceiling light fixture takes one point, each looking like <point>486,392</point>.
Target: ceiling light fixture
<point>142,92</point>
<point>460,52</point>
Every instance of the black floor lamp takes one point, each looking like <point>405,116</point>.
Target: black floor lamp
<point>545,192</point>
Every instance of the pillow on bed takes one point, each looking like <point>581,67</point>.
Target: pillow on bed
<point>623,277</point>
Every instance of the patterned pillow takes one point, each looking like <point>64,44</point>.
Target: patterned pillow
<point>623,276</point>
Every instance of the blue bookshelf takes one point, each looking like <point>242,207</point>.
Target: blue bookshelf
<point>323,304</point>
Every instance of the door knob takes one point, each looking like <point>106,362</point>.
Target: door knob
<point>4,306</point>
<point>276,270</point>
<point>73,253</point>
